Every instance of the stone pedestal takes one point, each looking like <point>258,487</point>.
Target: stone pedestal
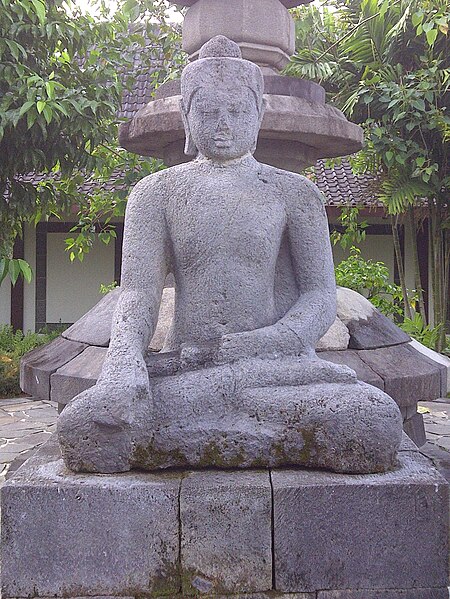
<point>257,534</point>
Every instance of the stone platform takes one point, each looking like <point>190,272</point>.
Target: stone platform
<point>290,533</point>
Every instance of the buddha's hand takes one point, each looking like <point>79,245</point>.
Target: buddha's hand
<point>99,429</point>
<point>269,342</point>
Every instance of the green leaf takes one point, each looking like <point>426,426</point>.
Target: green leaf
<point>26,270</point>
<point>420,161</point>
<point>48,114</point>
<point>389,156</point>
<point>14,270</point>
<point>39,9</point>
<point>25,108</point>
<point>40,105</point>
<point>431,36</point>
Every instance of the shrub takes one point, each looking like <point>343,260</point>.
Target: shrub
<point>13,345</point>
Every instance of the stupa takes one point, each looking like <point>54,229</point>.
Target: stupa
<point>298,126</point>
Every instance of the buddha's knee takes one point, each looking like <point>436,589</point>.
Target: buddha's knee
<point>359,430</point>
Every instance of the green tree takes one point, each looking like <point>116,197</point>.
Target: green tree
<point>386,65</point>
<point>62,75</point>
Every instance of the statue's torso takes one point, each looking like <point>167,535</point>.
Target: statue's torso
<point>226,229</point>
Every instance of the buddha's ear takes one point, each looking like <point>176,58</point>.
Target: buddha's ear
<point>262,110</point>
<point>190,148</point>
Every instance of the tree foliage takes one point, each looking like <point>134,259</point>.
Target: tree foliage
<point>62,75</point>
<point>387,66</point>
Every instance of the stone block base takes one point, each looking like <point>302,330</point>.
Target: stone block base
<point>284,534</point>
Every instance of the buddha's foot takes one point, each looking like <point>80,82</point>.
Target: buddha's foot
<point>99,429</point>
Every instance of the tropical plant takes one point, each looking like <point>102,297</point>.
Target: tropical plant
<point>62,74</point>
<point>372,280</point>
<point>386,65</point>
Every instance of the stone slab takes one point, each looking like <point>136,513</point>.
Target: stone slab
<point>441,593</point>
<point>94,328</point>
<point>374,532</point>
<point>226,532</point>
<point>414,427</point>
<point>37,366</point>
<point>77,375</point>
<point>369,328</point>
<point>351,358</point>
<point>408,376</point>
<point>66,535</point>
<point>440,359</point>
<point>287,3</point>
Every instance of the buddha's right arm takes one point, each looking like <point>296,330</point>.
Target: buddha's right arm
<point>145,260</point>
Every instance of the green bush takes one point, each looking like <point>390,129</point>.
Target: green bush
<point>371,279</point>
<point>13,345</point>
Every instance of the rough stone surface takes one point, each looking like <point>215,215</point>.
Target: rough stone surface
<point>249,249</point>
<point>264,31</point>
<point>37,366</point>
<point>407,375</point>
<point>78,536</point>
<point>351,358</point>
<point>414,427</point>
<point>286,3</point>
<point>336,338</point>
<point>441,593</point>
<point>94,328</point>
<point>226,532</point>
<point>368,327</point>
<point>369,532</point>
<point>72,536</point>
<point>440,359</point>
<point>77,375</point>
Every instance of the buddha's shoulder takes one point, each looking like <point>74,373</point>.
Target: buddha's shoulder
<point>294,185</point>
<point>161,181</point>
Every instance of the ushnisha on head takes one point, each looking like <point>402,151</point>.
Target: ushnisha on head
<point>222,102</point>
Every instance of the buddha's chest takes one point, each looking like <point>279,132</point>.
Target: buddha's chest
<point>242,226</point>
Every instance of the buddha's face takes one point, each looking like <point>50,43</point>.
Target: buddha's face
<point>224,122</point>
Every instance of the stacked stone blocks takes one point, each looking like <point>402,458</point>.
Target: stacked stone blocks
<point>287,533</point>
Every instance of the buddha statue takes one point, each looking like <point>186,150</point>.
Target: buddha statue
<point>238,383</point>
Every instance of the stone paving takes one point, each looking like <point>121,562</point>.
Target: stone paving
<point>26,423</point>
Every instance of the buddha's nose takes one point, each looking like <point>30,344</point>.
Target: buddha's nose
<point>222,124</point>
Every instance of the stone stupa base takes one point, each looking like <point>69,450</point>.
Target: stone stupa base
<point>291,533</point>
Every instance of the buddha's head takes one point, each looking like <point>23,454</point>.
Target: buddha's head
<point>222,102</point>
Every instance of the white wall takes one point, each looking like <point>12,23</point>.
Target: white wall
<point>73,288</point>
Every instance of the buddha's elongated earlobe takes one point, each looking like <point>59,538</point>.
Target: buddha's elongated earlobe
<point>190,149</point>
<point>262,109</point>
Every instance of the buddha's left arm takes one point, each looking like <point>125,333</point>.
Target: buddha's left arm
<point>299,330</point>
<point>315,310</point>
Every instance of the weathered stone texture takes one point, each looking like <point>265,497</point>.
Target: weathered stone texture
<point>361,532</point>
<point>351,358</point>
<point>368,328</point>
<point>77,375</point>
<point>226,538</point>
<point>435,593</point>
<point>94,328</point>
<point>37,366</point>
<point>408,377</point>
<point>72,536</point>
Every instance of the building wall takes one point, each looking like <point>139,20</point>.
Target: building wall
<point>73,287</point>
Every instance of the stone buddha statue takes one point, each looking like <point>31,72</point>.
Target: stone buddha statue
<point>238,383</point>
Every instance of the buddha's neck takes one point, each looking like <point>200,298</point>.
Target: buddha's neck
<point>245,160</point>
